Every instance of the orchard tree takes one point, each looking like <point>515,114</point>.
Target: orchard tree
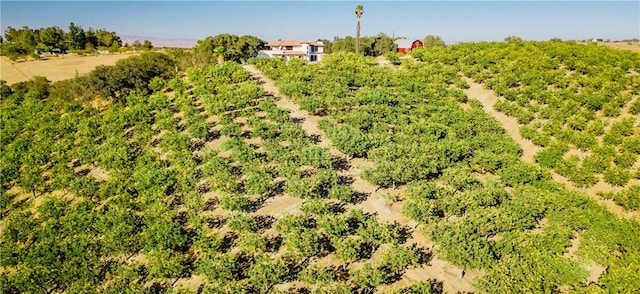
<point>266,272</point>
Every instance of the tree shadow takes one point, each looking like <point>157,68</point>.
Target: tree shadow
<point>404,232</point>
<point>259,81</point>
<point>274,244</point>
<point>425,256</point>
<point>437,287</point>
<point>182,217</point>
<point>255,204</point>
<point>213,135</point>
<point>216,222</point>
<point>341,272</point>
<point>264,222</point>
<point>337,208</point>
<point>247,135</point>
<point>367,249</point>
<point>196,144</point>
<point>82,172</point>
<point>297,120</point>
<point>358,197</point>
<point>228,241</point>
<point>345,180</point>
<point>158,287</point>
<point>203,187</point>
<point>295,268</point>
<point>210,204</point>
<point>340,163</point>
<point>315,138</point>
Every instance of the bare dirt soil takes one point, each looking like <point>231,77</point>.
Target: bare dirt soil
<point>54,68</point>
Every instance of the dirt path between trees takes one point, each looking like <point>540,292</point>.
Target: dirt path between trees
<point>488,99</point>
<point>377,200</point>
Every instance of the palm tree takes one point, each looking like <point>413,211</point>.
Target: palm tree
<point>359,11</point>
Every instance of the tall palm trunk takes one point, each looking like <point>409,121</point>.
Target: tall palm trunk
<point>359,11</point>
<point>358,37</point>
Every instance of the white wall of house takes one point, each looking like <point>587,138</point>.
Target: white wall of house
<point>311,52</point>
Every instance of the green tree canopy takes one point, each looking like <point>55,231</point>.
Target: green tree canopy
<point>433,41</point>
<point>235,48</point>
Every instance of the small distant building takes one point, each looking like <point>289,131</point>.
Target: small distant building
<point>287,49</point>
<point>406,45</point>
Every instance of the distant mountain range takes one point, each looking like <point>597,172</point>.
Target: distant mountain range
<point>160,42</point>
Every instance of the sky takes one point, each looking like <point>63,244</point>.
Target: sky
<point>454,21</point>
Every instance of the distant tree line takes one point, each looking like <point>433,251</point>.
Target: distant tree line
<point>377,45</point>
<point>26,41</point>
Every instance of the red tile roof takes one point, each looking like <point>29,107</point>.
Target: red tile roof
<point>285,43</point>
<point>292,43</point>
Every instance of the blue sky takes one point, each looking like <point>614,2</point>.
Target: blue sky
<point>454,21</point>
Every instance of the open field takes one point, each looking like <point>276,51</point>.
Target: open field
<point>631,46</point>
<point>54,68</point>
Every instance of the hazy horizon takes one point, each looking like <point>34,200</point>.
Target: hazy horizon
<point>185,22</point>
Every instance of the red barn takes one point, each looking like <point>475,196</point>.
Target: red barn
<point>405,45</point>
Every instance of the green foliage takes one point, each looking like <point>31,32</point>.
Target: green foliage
<point>521,173</point>
<point>316,275</point>
<point>194,211</point>
<point>516,274</point>
<point>233,202</point>
<point>368,276</point>
<point>629,198</point>
<point>377,45</point>
<point>316,157</point>
<point>118,81</point>
<point>416,288</point>
<point>347,139</point>
<point>265,272</point>
<point>242,222</point>
<point>551,155</point>
<point>347,249</point>
<point>392,57</point>
<point>617,176</point>
<point>396,259</point>
<point>24,41</point>
<point>235,48</point>
<point>635,107</point>
<point>433,41</point>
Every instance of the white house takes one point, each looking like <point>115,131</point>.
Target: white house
<point>287,49</point>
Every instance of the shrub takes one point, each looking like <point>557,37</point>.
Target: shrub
<point>393,57</point>
<point>520,173</point>
<point>617,176</point>
<point>549,156</point>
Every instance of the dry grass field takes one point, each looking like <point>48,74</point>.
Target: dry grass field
<point>631,46</point>
<point>54,68</point>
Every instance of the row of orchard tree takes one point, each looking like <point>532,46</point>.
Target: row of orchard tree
<point>130,198</point>
<point>465,183</point>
